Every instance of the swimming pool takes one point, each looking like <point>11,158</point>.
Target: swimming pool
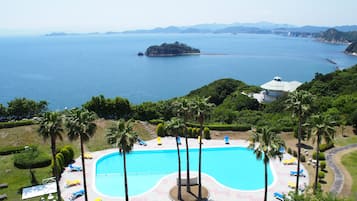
<point>233,167</point>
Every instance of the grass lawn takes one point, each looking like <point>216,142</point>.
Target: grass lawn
<point>350,162</point>
<point>27,135</point>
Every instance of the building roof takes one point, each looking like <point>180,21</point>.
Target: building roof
<point>278,85</point>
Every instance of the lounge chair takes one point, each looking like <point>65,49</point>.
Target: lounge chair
<point>295,173</point>
<point>290,161</point>
<point>141,142</point>
<point>88,156</point>
<point>282,150</point>
<point>3,196</point>
<point>226,139</point>
<point>291,184</point>
<point>159,141</point>
<point>178,140</point>
<point>74,168</point>
<point>4,185</point>
<point>198,139</point>
<point>70,183</point>
<point>76,195</point>
<point>279,196</point>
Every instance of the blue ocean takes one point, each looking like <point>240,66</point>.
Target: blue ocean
<point>68,70</point>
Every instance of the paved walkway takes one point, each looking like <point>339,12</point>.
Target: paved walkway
<point>160,192</point>
<point>339,178</point>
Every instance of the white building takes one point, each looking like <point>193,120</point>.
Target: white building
<point>276,88</point>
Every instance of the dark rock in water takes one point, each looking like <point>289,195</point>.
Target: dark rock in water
<point>140,54</point>
<point>352,49</point>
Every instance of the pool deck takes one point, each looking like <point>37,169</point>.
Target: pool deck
<point>217,192</point>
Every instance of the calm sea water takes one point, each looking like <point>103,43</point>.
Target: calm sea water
<point>68,70</point>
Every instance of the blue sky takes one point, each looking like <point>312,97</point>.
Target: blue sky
<point>118,15</point>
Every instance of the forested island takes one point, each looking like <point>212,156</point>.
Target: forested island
<point>171,49</point>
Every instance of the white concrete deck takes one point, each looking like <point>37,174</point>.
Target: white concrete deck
<point>217,191</point>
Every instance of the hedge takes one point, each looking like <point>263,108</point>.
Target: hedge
<point>156,121</point>
<point>206,133</point>
<point>11,150</point>
<point>224,127</point>
<point>32,159</point>
<point>11,124</point>
<point>321,156</point>
<point>324,147</point>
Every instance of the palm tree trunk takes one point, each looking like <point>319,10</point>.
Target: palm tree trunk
<point>125,178</point>
<point>179,197</point>
<point>317,162</point>
<point>55,167</point>
<point>266,179</point>
<point>200,162</point>
<point>188,187</point>
<point>84,170</point>
<point>299,154</point>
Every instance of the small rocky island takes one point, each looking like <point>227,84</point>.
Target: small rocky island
<point>171,49</point>
<point>352,49</point>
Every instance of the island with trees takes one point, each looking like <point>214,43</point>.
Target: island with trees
<point>171,49</point>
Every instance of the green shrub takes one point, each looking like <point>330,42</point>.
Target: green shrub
<point>71,152</point>
<point>60,161</point>
<point>302,158</point>
<point>295,153</point>
<point>195,132</point>
<point>321,156</point>
<point>322,165</point>
<point>11,124</point>
<point>289,151</point>
<point>321,175</point>
<point>324,147</point>
<point>11,150</point>
<point>225,127</point>
<point>206,133</point>
<point>189,132</point>
<point>32,158</point>
<point>67,156</point>
<point>160,130</point>
<point>156,121</point>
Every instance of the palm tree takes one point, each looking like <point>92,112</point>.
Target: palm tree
<point>183,107</point>
<point>299,103</point>
<point>321,127</point>
<point>201,107</point>
<point>51,126</point>
<point>176,126</point>
<point>79,124</point>
<point>266,144</point>
<point>122,136</point>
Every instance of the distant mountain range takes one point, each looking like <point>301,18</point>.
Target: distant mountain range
<point>234,28</point>
<point>260,28</point>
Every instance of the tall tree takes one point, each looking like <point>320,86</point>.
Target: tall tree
<point>299,102</point>
<point>321,127</point>
<point>122,136</point>
<point>266,145</point>
<point>184,109</point>
<point>80,124</point>
<point>176,126</point>
<point>201,108</point>
<point>51,126</point>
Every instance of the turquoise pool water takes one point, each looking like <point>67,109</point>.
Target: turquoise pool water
<point>233,167</point>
